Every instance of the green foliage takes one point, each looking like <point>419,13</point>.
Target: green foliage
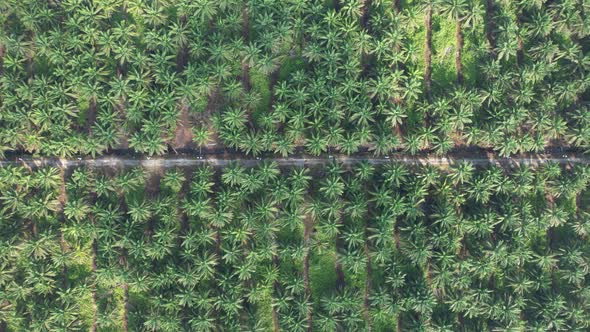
<point>83,106</point>
<point>221,255</point>
<point>444,45</point>
<point>322,275</point>
<point>340,68</point>
<point>472,55</point>
<point>417,41</point>
<point>289,66</point>
<point>261,89</point>
<point>264,314</point>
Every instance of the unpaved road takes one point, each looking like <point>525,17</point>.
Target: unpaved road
<point>188,161</point>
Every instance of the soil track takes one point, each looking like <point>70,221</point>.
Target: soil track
<point>308,226</point>
<point>221,158</point>
<point>183,135</point>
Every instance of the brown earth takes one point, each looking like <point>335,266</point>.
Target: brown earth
<point>490,24</point>
<point>458,51</point>
<point>30,57</point>
<point>365,13</point>
<point>397,5</point>
<point>308,226</point>
<point>214,102</point>
<point>152,187</point>
<point>276,286</point>
<point>2,51</point>
<point>63,199</point>
<point>246,77</point>
<point>125,314</point>
<point>428,51</point>
<point>123,136</point>
<point>183,135</point>
<point>520,49</point>
<point>367,302</point>
<point>246,37</point>
<point>91,116</point>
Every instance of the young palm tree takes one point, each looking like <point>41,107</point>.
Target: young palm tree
<point>201,136</point>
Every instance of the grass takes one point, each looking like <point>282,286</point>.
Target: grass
<point>355,281</point>
<point>83,106</point>
<point>416,34</point>
<point>470,55</point>
<point>287,237</point>
<point>119,296</point>
<point>261,85</point>
<point>199,104</point>
<point>385,325</point>
<point>322,275</point>
<point>289,66</point>
<point>79,268</point>
<point>444,46</point>
<point>264,310</point>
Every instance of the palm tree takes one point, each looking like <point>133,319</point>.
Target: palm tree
<point>201,136</point>
<point>316,144</point>
<point>76,209</point>
<point>350,143</point>
<point>173,180</point>
<point>413,144</point>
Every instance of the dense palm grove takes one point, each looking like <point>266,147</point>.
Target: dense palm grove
<point>259,249</point>
<point>270,76</point>
<point>334,247</point>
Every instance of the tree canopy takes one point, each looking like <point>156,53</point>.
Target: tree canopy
<point>264,248</point>
<point>271,76</point>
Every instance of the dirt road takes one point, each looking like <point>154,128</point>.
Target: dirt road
<point>220,161</point>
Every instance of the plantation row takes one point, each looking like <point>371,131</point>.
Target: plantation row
<point>270,76</point>
<point>262,249</point>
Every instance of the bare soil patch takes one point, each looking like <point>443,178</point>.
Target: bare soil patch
<point>246,77</point>
<point>490,24</point>
<point>2,51</point>
<point>122,133</point>
<point>123,139</point>
<point>183,136</point>
<point>213,104</point>
<point>458,52</point>
<point>91,116</point>
<point>428,51</point>
<point>308,225</point>
<point>365,13</point>
<point>276,286</point>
